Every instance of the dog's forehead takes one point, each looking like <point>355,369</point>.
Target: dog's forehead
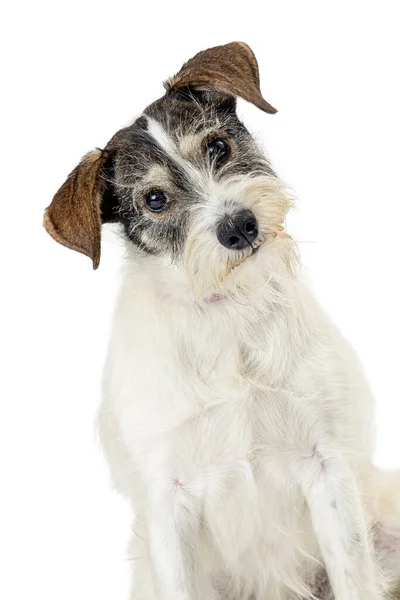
<point>184,113</point>
<point>176,116</point>
<point>174,113</point>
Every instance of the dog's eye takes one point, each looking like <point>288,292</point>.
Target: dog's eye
<point>156,200</point>
<point>218,150</point>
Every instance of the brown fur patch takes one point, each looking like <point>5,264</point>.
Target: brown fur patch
<point>231,69</point>
<point>73,217</point>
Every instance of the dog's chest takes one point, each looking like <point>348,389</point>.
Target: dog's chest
<point>195,374</point>
<point>198,403</point>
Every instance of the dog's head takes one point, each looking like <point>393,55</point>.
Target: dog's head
<point>186,180</point>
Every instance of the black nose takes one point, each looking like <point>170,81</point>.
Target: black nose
<point>238,231</point>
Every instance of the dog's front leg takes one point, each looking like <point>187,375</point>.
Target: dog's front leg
<point>173,527</point>
<point>338,518</point>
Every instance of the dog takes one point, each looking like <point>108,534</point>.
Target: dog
<point>235,418</point>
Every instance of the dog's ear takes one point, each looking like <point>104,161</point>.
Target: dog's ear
<point>82,203</point>
<point>231,69</point>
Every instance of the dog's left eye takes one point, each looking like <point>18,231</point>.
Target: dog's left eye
<point>156,200</point>
<point>218,150</point>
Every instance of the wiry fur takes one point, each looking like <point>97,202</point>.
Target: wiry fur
<point>240,430</point>
<point>219,420</point>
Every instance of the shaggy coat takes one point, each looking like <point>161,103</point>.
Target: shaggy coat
<point>235,418</point>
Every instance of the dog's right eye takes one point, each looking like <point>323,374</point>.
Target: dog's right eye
<point>218,150</point>
<point>156,200</point>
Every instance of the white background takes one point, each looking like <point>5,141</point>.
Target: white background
<point>75,72</point>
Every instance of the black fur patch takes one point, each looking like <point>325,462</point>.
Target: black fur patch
<point>110,199</point>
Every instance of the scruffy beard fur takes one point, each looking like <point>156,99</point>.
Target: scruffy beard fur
<point>211,268</point>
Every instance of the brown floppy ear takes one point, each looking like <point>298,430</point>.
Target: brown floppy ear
<point>231,69</point>
<point>74,215</point>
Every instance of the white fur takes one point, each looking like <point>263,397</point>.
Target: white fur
<point>241,430</point>
<point>172,150</point>
<point>156,130</point>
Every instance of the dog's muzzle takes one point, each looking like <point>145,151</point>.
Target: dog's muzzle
<point>238,231</point>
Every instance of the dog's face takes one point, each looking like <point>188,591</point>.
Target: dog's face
<point>174,169</point>
<point>186,180</point>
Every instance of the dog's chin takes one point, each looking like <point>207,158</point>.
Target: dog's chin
<point>238,278</point>
<point>246,271</point>
<point>255,276</point>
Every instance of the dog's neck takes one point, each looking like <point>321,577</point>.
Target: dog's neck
<point>278,313</point>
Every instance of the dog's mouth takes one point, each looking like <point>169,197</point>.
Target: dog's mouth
<point>232,265</point>
<point>235,261</point>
